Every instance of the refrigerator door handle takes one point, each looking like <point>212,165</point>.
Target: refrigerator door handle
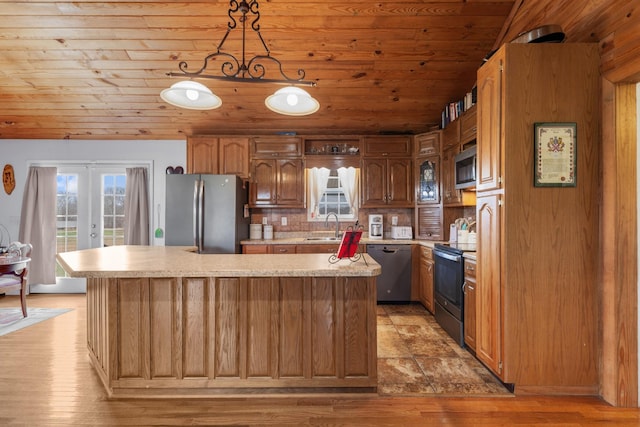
<point>200,215</point>
<point>195,214</point>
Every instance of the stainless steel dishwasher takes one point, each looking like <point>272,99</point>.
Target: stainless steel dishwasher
<point>394,284</point>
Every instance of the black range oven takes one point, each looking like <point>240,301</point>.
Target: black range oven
<point>448,293</point>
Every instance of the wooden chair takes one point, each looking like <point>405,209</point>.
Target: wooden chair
<point>16,275</point>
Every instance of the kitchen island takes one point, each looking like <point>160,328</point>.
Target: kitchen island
<point>168,322</point>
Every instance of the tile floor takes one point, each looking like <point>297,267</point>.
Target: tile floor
<point>416,357</point>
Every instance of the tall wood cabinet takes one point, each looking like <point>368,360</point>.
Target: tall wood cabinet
<point>537,260</point>
<point>218,155</point>
<point>428,204</point>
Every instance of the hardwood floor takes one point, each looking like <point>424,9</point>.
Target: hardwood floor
<point>46,379</point>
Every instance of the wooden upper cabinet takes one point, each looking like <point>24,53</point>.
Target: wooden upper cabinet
<point>387,182</point>
<point>234,156</point>
<point>451,135</point>
<point>387,146</point>
<point>202,154</point>
<point>277,177</point>
<point>218,155</point>
<point>488,161</point>
<point>450,196</point>
<point>276,146</point>
<point>277,183</point>
<point>468,125</point>
<point>427,144</point>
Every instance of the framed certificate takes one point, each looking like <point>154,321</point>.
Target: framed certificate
<point>555,148</point>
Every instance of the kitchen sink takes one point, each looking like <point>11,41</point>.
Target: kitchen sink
<point>323,238</point>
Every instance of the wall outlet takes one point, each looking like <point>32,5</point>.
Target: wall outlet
<point>283,220</point>
<point>394,220</point>
<point>264,220</point>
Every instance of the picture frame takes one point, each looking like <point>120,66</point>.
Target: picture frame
<point>555,148</point>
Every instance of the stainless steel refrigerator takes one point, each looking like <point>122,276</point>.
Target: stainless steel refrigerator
<point>209,212</point>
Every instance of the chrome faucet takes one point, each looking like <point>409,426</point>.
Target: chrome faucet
<point>326,222</point>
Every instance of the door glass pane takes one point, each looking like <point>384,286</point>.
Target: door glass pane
<point>113,195</point>
<point>66,215</point>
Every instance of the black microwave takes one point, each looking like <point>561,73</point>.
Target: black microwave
<point>465,169</point>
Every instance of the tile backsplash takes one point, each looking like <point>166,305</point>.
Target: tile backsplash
<point>297,219</point>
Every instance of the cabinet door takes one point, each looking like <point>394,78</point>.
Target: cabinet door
<point>290,183</point>
<point>488,286</point>
<point>234,156</point>
<point>450,196</point>
<point>283,249</point>
<point>468,125</point>
<point>428,180</point>
<point>470,304</point>
<point>317,249</point>
<point>374,188</point>
<point>263,182</point>
<point>400,183</point>
<point>202,154</point>
<point>274,146</point>
<point>427,144</point>
<point>256,249</point>
<point>451,135</point>
<point>426,278</point>
<point>489,114</point>
<point>387,146</point>
<point>429,222</point>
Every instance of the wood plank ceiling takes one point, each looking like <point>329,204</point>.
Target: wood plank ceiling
<point>94,70</point>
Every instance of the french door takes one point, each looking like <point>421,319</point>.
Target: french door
<point>89,213</point>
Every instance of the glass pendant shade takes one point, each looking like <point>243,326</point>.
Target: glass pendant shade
<point>292,101</point>
<point>191,95</point>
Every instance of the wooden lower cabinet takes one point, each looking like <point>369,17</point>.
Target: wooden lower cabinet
<point>470,303</point>
<point>256,249</point>
<point>426,278</point>
<point>206,336</point>
<point>293,249</point>
<point>489,336</point>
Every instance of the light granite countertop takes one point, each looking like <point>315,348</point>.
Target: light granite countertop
<point>175,261</point>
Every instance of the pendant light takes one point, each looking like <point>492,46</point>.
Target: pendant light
<point>291,100</point>
<point>191,95</point>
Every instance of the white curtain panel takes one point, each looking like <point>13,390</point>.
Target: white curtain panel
<point>136,208</point>
<point>349,180</point>
<point>38,223</point>
<point>318,179</point>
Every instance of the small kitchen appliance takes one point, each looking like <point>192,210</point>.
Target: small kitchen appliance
<point>401,232</point>
<point>375,227</point>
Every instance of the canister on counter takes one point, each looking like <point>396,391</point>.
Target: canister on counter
<point>255,231</point>
<point>268,232</point>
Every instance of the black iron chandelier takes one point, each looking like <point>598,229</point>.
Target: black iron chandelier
<point>290,100</point>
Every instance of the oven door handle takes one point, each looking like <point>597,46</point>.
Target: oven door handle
<point>454,258</point>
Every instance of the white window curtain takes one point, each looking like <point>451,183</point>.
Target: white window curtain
<point>136,208</point>
<point>38,223</point>
<point>318,179</point>
<point>349,181</point>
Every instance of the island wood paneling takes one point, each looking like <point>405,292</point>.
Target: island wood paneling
<point>204,335</point>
